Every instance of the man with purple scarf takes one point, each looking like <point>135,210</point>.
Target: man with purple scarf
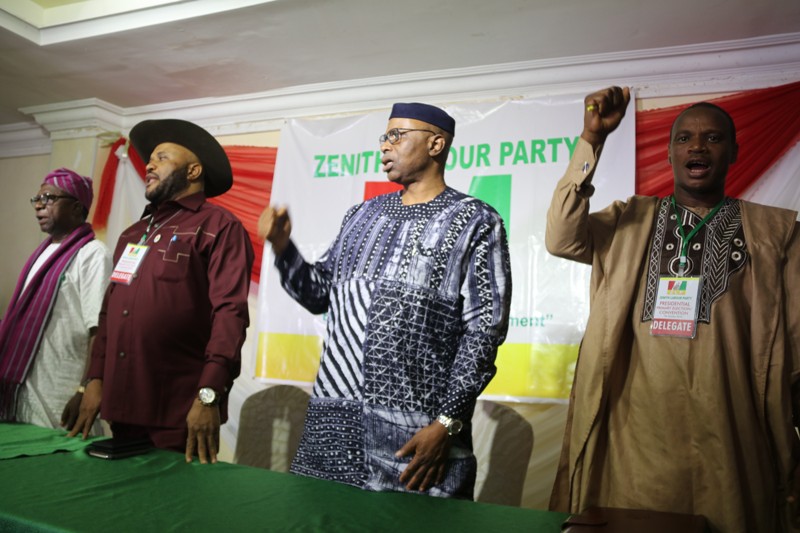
<point>48,329</point>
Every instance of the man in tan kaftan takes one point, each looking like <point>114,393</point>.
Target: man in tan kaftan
<point>691,416</point>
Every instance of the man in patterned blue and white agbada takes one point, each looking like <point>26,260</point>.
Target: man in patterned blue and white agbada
<point>417,285</point>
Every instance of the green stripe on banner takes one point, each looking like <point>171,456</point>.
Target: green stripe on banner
<point>495,190</point>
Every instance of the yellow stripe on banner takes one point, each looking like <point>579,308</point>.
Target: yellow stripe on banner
<point>534,370</point>
<point>288,356</point>
<point>523,370</point>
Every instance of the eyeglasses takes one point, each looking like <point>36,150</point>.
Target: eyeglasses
<point>394,135</point>
<point>48,199</point>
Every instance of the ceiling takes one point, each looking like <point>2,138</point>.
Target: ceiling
<point>143,52</point>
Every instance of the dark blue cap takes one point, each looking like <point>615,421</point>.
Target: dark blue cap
<point>426,113</point>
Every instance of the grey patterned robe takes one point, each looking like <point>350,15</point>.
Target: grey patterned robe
<point>418,300</point>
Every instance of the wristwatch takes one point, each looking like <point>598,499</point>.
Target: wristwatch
<point>208,396</point>
<point>82,386</point>
<point>453,425</point>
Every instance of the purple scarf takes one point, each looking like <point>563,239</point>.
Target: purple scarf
<point>27,314</point>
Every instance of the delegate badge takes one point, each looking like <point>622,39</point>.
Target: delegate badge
<point>675,312</point>
<point>128,263</point>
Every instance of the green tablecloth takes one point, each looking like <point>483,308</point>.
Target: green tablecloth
<point>17,440</point>
<point>70,491</point>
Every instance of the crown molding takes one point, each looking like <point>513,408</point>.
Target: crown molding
<point>707,68</point>
<point>78,118</point>
<point>719,67</point>
<point>21,140</point>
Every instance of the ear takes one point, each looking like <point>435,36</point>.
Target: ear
<point>194,171</point>
<point>77,211</point>
<point>436,144</point>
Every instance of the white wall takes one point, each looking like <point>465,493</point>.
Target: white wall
<point>20,178</point>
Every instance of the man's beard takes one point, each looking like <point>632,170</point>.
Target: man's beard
<point>169,187</point>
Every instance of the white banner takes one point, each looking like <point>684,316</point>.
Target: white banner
<point>509,154</point>
<point>128,202</point>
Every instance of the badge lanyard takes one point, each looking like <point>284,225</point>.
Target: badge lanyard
<point>686,239</point>
<point>147,230</point>
<point>133,254</point>
<point>676,305</point>
<point>146,236</point>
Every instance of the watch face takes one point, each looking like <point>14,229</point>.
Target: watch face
<point>207,395</point>
<point>453,425</point>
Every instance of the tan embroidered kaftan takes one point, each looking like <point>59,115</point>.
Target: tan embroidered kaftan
<point>701,425</point>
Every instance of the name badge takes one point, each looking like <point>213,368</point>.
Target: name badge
<point>675,311</point>
<point>129,263</point>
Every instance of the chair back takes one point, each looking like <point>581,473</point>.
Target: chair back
<point>270,426</point>
<point>502,443</point>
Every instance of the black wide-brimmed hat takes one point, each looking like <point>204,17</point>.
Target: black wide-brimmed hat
<point>148,134</point>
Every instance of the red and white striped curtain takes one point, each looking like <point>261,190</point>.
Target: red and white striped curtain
<point>253,168</point>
